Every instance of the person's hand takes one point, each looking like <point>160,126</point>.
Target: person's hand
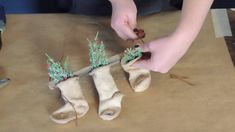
<point>123,19</point>
<point>165,53</point>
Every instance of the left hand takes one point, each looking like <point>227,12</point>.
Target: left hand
<point>165,53</point>
<point>123,19</point>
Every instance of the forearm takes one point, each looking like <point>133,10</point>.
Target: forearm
<point>193,15</point>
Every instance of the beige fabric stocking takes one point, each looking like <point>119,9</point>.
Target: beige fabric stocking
<point>139,79</point>
<point>109,96</point>
<point>75,103</point>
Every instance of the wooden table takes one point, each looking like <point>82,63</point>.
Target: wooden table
<point>169,105</point>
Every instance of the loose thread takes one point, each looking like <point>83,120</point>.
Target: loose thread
<point>76,122</point>
<point>181,78</point>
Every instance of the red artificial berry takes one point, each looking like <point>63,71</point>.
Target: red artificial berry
<point>140,33</point>
<point>135,30</point>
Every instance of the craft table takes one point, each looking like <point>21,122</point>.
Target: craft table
<point>201,100</point>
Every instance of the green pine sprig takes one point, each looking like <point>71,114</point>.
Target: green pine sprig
<point>97,53</point>
<point>131,54</point>
<point>56,72</point>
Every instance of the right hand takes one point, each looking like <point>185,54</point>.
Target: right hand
<point>165,53</point>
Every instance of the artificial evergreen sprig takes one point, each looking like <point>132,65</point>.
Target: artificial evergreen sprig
<point>97,53</point>
<point>57,72</point>
<point>131,54</point>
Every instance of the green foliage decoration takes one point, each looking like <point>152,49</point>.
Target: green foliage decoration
<point>97,53</point>
<point>56,71</point>
<point>131,54</point>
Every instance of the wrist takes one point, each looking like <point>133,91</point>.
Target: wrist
<point>184,36</point>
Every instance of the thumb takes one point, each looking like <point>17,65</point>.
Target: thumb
<point>145,64</point>
<point>132,22</point>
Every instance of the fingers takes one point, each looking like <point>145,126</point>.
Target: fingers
<point>128,32</point>
<point>121,35</point>
<point>149,65</point>
<point>132,21</point>
<point>124,25</point>
<point>145,64</point>
<point>145,47</point>
<point>124,31</point>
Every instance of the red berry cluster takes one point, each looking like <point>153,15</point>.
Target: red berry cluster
<point>140,33</point>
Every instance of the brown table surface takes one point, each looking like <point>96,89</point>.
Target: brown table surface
<point>169,105</point>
